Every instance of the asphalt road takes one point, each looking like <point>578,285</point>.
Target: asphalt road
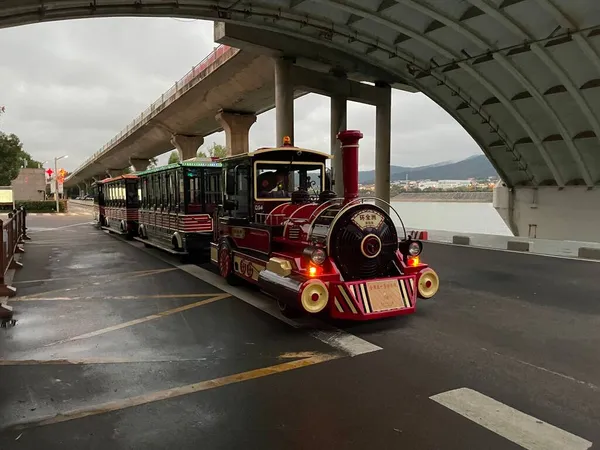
<point>521,330</point>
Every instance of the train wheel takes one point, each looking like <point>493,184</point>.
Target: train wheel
<point>226,265</point>
<point>428,283</point>
<point>287,311</point>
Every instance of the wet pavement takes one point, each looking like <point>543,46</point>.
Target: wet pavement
<point>121,346</point>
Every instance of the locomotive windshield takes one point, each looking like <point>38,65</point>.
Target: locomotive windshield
<point>279,179</point>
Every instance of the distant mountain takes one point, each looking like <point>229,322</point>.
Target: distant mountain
<point>476,166</point>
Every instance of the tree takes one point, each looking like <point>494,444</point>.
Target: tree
<point>173,157</point>
<point>13,158</point>
<point>216,151</point>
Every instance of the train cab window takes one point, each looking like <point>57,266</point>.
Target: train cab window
<point>277,180</point>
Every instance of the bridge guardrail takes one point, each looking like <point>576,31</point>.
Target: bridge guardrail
<point>14,232</point>
<point>216,58</point>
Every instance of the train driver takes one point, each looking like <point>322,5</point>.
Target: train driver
<point>273,184</point>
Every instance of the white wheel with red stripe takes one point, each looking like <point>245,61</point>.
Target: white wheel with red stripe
<point>314,296</point>
<point>428,283</point>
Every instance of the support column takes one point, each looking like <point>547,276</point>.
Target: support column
<point>383,130</point>
<point>139,165</point>
<point>339,119</point>
<point>187,146</point>
<point>81,189</point>
<point>111,173</point>
<point>284,100</point>
<point>237,128</point>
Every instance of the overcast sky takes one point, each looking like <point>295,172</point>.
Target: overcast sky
<point>69,87</point>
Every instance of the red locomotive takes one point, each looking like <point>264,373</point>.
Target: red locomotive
<point>282,228</point>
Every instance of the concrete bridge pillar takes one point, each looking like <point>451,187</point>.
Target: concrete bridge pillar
<point>112,172</point>
<point>383,130</point>
<point>284,100</point>
<point>81,189</point>
<point>139,165</point>
<point>187,146</point>
<point>547,212</point>
<point>237,128</point>
<point>338,123</point>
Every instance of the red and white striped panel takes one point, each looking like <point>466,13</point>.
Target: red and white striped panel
<point>189,223</point>
<point>196,223</point>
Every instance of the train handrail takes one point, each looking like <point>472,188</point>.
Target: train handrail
<point>351,203</point>
<point>188,81</point>
<point>361,199</point>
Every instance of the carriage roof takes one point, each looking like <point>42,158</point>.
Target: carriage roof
<point>127,176</point>
<point>189,163</point>
<point>284,153</point>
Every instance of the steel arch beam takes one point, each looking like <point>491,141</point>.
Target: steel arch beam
<point>566,23</point>
<point>449,54</point>
<point>510,25</point>
<point>521,78</point>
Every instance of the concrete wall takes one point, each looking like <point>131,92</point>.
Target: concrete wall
<point>572,213</point>
<point>28,183</point>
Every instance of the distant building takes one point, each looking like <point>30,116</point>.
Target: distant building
<point>30,185</point>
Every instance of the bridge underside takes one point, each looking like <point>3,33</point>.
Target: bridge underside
<point>521,76</point>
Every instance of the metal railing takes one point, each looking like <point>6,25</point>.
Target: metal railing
<point>14,232</point>
<point>217,57</point>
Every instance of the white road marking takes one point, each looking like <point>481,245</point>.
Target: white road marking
<point>520,428</point>
<point>348,343</point>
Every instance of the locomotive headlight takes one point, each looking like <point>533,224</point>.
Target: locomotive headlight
<point>415,248</point>
<point>314,255</point>
<point>318,256</point>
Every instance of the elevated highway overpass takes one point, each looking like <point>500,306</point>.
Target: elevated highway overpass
<point>521,76</point>
<point>228,89</point>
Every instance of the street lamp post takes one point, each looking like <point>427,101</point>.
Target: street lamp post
<point>56,180</point>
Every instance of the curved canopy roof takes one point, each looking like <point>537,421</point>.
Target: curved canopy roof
<point>521,76</point>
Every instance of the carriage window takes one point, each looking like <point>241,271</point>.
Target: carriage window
<point>156,189</point>
<point>132,193</point>
<point>279,180</point>
<point>164,200</point>
<point>212,186</point>
<point>143,192</point>
<point>194,176</point>
<point>176,190</point>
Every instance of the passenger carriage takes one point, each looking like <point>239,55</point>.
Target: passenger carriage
<point>283,229</point>
<point>177,204</point>
<point>120,196</point>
